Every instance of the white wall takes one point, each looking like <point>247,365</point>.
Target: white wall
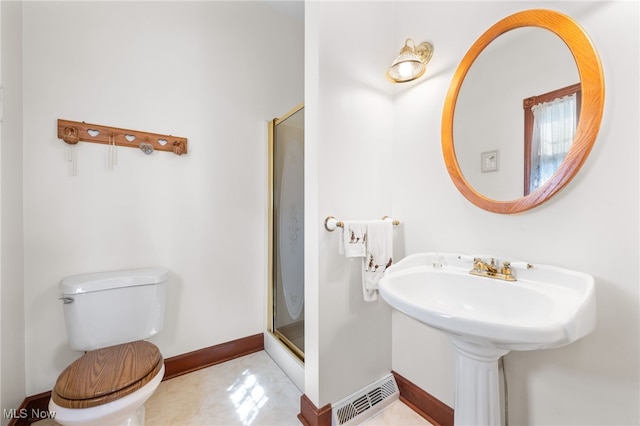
<point>591,226</point>
<point>12,325</point>
<point>349,118</point>
<point>213,72</point>
<point>348,137</point>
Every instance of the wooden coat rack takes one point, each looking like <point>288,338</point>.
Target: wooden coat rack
<point>74,131</point>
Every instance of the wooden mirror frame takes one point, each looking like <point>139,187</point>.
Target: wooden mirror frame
<point>592,105</point>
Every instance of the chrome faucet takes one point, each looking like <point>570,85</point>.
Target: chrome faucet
<point>484,269</point>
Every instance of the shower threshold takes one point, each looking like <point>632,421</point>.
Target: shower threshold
<point>292,335</point>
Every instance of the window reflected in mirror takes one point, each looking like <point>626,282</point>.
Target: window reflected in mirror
<point>550,122</point>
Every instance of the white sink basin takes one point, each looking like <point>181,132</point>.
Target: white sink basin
<point>546,307</point>
<point>486,318</point>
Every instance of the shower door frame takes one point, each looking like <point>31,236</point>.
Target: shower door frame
<point>272,281</point>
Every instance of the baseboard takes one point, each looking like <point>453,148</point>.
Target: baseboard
<point>310,415</point>
<point>427,406</point>
<point>32,409</point>
<point>203,358</point>
<point>35,405</point>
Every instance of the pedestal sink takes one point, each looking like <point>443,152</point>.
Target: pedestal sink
<point>485,318</point>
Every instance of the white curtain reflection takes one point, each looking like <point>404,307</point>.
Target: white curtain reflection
<point>554,126</point>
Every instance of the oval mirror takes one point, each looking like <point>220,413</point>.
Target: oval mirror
<point>483,123</point>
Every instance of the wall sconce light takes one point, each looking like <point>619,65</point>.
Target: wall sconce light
<point>411,63</point>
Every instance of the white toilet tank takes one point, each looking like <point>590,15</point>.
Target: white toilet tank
<point>108,308</point>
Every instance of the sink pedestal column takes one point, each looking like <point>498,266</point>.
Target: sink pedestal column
<point>477,392</point>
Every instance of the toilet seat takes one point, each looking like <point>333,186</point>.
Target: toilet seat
<point>107,374</point>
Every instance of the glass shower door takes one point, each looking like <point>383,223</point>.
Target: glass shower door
<point>287,230</point>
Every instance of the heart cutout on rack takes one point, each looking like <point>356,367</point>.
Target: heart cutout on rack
<point>162,142</point>
<point>130,138</point>
<point>93,133</point>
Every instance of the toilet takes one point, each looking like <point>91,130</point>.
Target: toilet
<point>109,315</point>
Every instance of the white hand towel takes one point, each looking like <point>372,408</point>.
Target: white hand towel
<point>354,238</point>
<point>379,256</point>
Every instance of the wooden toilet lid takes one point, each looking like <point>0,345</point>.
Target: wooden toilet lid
<point>107,374</point>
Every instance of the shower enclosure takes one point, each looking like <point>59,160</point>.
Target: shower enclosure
<point>286,230</point>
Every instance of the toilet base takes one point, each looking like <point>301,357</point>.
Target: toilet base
<point>126,411</point>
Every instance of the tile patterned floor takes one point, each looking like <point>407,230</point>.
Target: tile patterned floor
<point>397,414</point>
<point>251,390</point>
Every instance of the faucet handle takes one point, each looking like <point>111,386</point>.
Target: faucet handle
<point>477,264</point>
<point>506,268</point>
